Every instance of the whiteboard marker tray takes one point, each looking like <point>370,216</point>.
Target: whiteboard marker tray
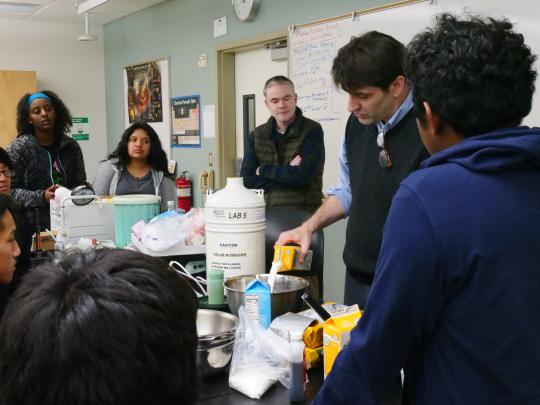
<point>175,251</point>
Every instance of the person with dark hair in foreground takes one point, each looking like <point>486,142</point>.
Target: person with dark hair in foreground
<point>457,287</point>
<point>23,234</point>
<point>138,165</point>
<point>107,327</point>
<point>43,154</point>
<point>9,248</point>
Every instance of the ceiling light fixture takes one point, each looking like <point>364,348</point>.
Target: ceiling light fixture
<point>86,36</point>
<point>88,5</point>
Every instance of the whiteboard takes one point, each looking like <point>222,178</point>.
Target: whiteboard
<point>313,47</point>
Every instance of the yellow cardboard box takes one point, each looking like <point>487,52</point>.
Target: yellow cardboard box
<point>336,334</point>
<point>289,256</point>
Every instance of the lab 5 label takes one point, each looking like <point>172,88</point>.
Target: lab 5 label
<point>237,215</point>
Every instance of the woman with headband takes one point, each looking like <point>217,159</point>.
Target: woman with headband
<point>43,155</point>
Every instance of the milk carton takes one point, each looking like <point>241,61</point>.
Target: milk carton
<point>258,302</point>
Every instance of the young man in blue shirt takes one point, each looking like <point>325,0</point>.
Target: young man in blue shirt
<point>457,288</point>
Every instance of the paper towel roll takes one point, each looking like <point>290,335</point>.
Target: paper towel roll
<point>61,193</point>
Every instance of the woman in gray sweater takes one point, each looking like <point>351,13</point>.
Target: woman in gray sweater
<point>137,166</point>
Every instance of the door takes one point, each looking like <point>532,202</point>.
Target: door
<point>13,85</point>
<point>252,69</point>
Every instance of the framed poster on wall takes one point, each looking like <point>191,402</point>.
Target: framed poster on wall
<point>186,122</point>
<point>146,97</point>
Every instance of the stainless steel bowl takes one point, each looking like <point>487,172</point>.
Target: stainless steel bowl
<point>216,331</point>
<point>286,297</point>
<point>214,360</point>
<point>211,323</point>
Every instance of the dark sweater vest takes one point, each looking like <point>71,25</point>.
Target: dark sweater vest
<point>308,197</point>
<point>373,187</point>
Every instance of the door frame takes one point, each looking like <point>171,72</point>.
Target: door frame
<point>226,100</point>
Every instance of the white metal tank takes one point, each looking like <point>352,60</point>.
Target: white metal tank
<point>235,229</point>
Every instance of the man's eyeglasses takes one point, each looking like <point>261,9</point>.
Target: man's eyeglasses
<point>384,157</point>
<point>7,173</point>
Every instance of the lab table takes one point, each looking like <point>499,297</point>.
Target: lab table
<point>216,391</point>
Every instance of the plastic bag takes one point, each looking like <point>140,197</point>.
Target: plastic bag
<point>260,358</point>
<point>173,229</point>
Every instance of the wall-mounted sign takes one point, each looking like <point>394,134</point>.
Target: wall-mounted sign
<point>186,121</point>
<point>80,131</point>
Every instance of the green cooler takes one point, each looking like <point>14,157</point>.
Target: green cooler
<point>130,209</point>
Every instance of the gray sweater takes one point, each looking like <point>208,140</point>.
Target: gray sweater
<point>108,174</point>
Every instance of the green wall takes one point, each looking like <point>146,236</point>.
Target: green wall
<point>181,30</point>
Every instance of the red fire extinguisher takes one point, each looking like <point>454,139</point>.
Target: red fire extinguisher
<point>183,190</point>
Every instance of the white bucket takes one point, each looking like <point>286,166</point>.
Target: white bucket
<point>235,229</point>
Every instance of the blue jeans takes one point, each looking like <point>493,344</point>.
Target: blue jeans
<point>355,291</point>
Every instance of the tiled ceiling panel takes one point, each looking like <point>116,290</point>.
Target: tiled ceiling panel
<point>65,11</point>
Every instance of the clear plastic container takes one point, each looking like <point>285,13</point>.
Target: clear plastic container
<point>58,248</point>
<point>297,392</point>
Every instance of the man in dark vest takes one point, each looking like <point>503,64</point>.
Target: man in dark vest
<point>285,156</point>
<point>380,148</point>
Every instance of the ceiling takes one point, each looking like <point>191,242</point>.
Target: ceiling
<point>65,11</point>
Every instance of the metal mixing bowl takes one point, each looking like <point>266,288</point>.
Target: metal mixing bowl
<point>216,331</point>
<point>214,360</point>
<point>212,323</point>
<point>286,297</point>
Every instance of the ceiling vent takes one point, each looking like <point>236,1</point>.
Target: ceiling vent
<point>27,8</point>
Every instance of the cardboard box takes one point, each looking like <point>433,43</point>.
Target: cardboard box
<point>47,241</point>
<point>336,334</point>
<point>289,256</point>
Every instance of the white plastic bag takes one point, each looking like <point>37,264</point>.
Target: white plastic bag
<point>260,358</point>
<point>173,229</point>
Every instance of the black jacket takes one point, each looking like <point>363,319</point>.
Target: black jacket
<point>33,173</point>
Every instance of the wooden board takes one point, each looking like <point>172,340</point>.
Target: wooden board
<point>13,85</point>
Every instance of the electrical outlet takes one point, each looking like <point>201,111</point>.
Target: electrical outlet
<point>202,61</point>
